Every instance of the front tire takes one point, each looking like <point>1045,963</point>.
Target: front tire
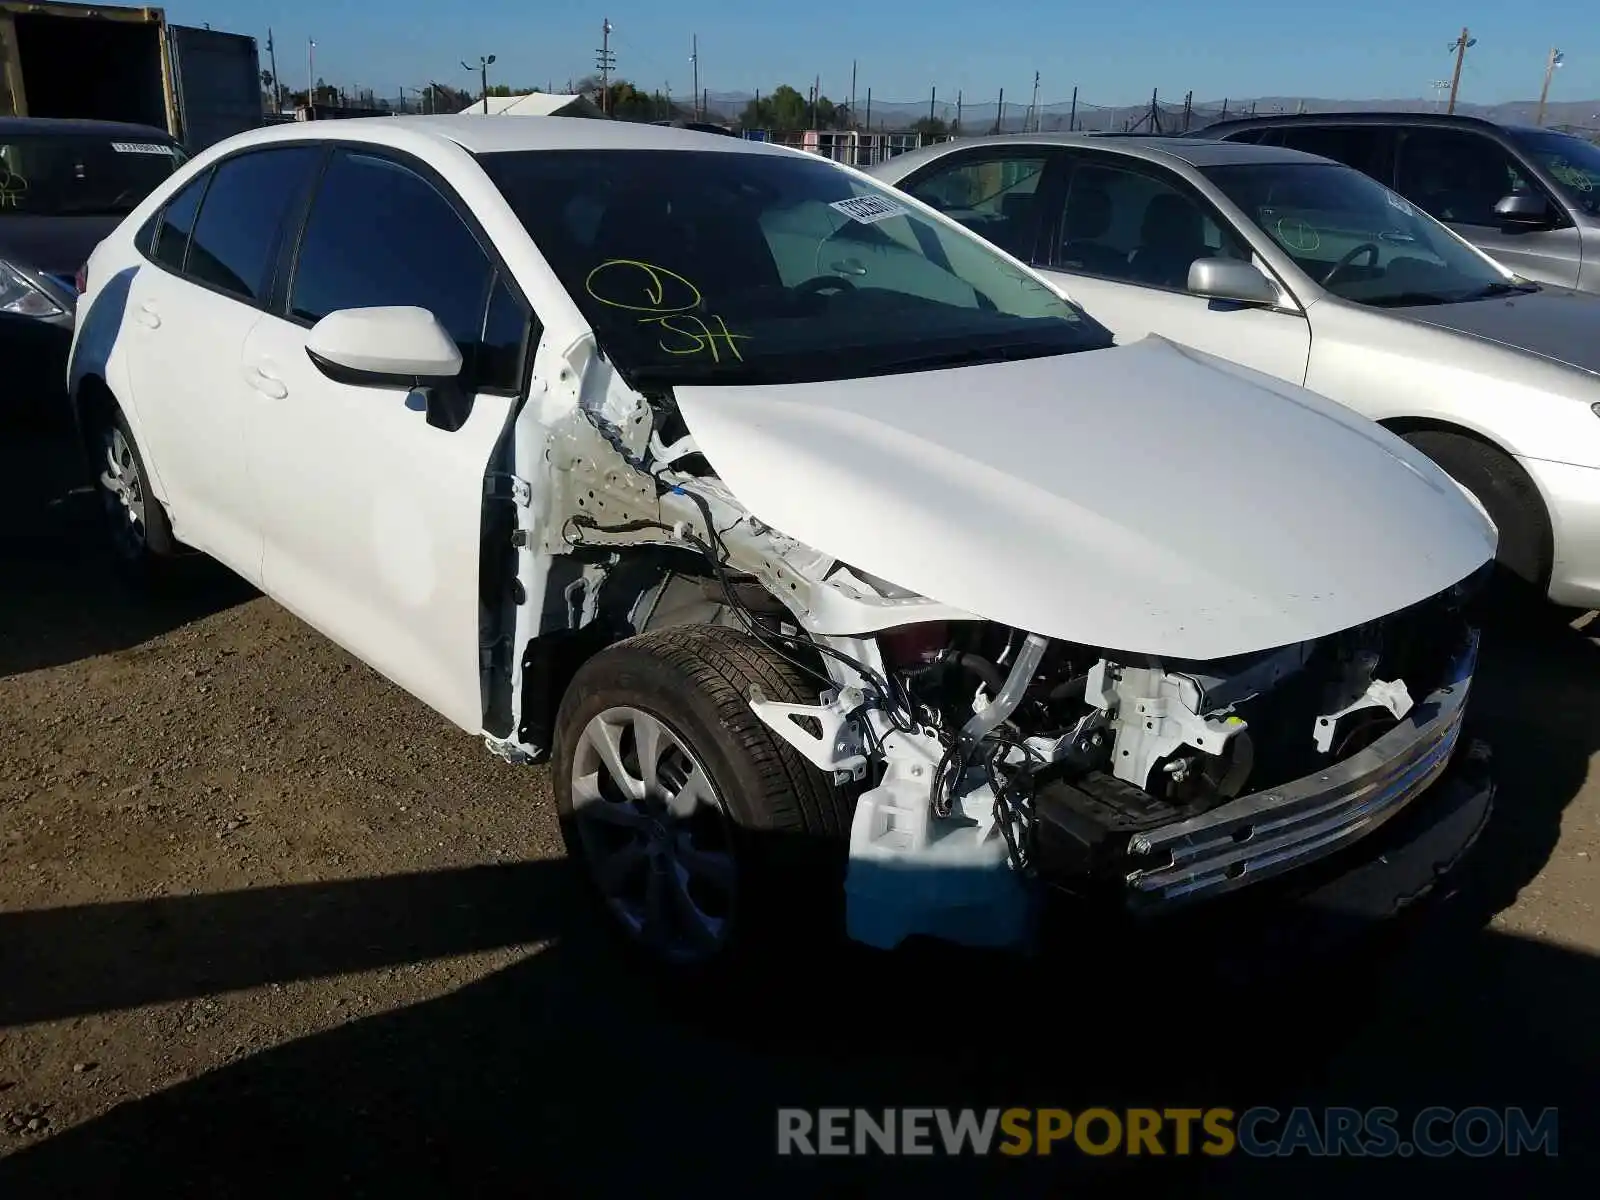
<point>708,842</point>
<point>1526,552</point>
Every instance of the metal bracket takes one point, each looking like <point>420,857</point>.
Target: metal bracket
<point>836,750</point>
<point>508,487</point>
<point>1381,693</point>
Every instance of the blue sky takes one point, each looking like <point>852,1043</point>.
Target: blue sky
<point>1355,48</point>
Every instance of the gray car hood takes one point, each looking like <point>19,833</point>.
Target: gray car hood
<point>1562,326</point>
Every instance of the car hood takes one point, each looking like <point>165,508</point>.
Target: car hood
<point>1555,324</point>
<point>54,245</point>
<point>1142,498</point>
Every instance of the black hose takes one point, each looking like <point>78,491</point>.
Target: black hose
<point>1072,689</point>
<point>975,664</point>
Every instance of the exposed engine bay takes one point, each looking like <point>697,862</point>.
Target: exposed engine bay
<point>986,758</point>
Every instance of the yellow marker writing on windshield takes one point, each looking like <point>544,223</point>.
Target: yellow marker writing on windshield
<point>703,339</point>
<point>622,282</point>
<point>618,277</point>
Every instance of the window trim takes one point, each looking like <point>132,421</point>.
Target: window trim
<point>210,175</point>
<point>260,303</point>
<point>1160,173</point>
<point>289,259</point>
<point>1049,181</point>
<point>203,180</point>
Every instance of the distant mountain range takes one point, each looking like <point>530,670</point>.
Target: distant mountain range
<point>980,117</point>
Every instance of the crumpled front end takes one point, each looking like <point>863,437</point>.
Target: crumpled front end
<point>1130,783</point>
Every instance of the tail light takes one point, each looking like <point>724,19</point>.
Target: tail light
<point>81,279</point>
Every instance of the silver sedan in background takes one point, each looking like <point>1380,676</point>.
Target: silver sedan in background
<point>1309,271</point>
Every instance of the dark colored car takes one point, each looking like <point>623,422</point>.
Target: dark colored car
<point>64,185</point>
<point>1527,196</point>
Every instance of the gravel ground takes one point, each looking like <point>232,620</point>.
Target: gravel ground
<point>265,921</point>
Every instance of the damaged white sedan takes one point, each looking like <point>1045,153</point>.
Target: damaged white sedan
<point>832,559</point>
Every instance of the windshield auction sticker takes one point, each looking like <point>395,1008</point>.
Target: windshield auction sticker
<point>869,209</point>
<point>141,148</point>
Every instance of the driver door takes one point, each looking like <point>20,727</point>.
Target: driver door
<point>1121,241</point>
<point>1458,176</point>
<point>371,517</point>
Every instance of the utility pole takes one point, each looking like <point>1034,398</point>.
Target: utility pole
<point>483,71</point>
<point>311,71</point>
<point>869,110</point>
<point>852,93</point>
<point>1000,111</point>
<point>272,65</point>
<point>957,127</point>
<point>933,94</point>
<point>605,60</point>
<point>694,62</point>
<point>1460,46</point>
<point>1550,66</point>
<point>1033,108</point>
<point>1072,119</point>
<point>1188,109</point>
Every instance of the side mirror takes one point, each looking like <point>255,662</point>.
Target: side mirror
<point>1523,208</point>
<point>383,347</point>
<point>1230,279</point>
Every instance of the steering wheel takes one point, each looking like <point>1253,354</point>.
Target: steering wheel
<point>1370,249</point>
<point>824,283</point>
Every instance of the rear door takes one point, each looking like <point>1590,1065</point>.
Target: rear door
<point>1459,175</point>
<point>190,308</point>
<point>1369,149</point>
<point>371,517</point>
<point>1001,193</point>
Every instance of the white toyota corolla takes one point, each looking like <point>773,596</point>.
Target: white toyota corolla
<point>828,554</point>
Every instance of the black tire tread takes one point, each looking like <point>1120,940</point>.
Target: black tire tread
<point>723,663</point>
<point>1526,550</point>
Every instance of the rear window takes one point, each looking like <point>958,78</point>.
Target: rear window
<point>64,175</point>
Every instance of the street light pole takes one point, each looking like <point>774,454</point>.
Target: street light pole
<point>311,71</point>
<point>1554,61</point>
<point>483,69</point>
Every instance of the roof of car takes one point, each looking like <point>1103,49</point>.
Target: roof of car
<point>1195,152</point>
<point>13,126</point>
<point>479,134</point>
<point>1376,117</point>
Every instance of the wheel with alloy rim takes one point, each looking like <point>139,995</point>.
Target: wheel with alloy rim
<point>136,523</point>
<point>706,839</point>
<point>655,834</point>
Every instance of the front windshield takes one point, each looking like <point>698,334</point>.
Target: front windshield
<point>736,267</point>
<point>1356,238</point>
<point>67,175</point>
<point>1573,163</point>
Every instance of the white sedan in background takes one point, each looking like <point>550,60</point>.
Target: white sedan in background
<point>1313,273</point>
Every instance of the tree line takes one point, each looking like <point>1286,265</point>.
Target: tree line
<point>783,110</point>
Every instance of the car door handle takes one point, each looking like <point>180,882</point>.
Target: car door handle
<point>147,315</point>
<point>266,383</point>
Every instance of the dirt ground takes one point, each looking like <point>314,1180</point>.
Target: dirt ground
<point>266,922</point>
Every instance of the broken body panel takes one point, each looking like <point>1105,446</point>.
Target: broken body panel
<point>910,479</point>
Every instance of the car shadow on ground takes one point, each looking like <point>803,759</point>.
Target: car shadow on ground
<point>59,599</point>
<point>572,1072</point>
